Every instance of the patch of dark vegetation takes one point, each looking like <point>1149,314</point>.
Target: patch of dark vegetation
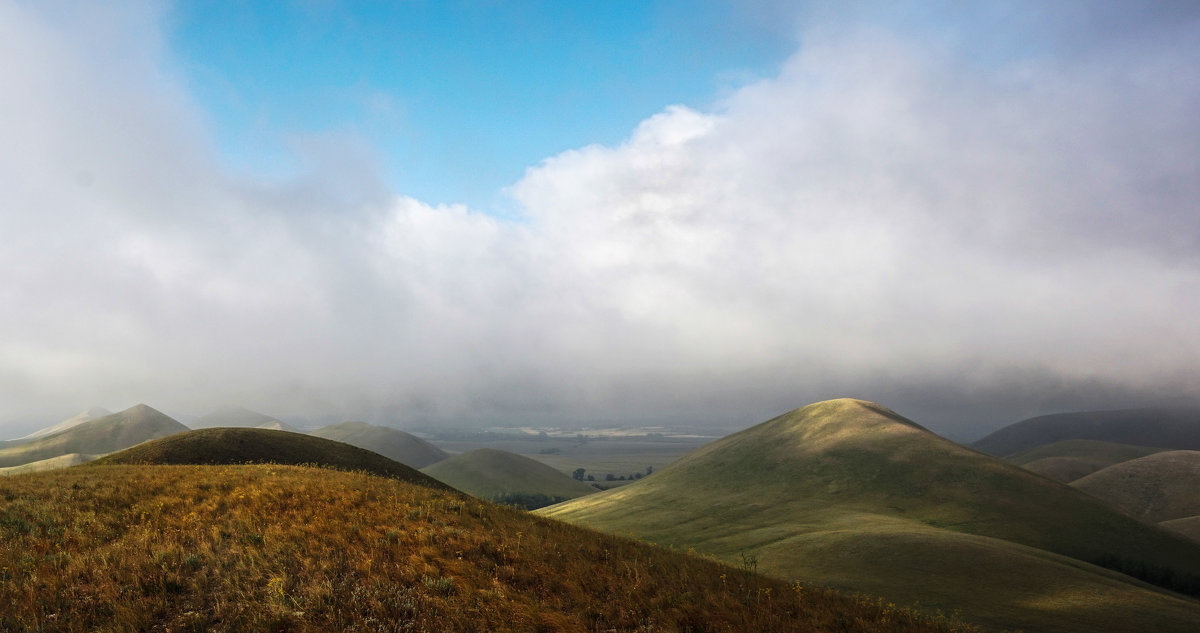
<point>527,500</point>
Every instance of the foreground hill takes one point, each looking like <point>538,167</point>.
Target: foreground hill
<point>394,443</point>
<point>1155,488</point>
<point>850,494</point>
<point>506,477</point>
<point>260,446</point>
<point>71,422</point>
<point>286,548</point>
<point>102,435</point>
<point>1069,460</point>
<point>1161,427</point>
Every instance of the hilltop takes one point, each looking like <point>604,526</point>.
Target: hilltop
<point>101,435</point>
<point>851,494</point>
<point>1160,427</point>
<point>396,444</point>
<point>1159,487</point>
<point>507,478</point>
<point>227,445</point>
<point>286,548</point>
<point>1069,460</point>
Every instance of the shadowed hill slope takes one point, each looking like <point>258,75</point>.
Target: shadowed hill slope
<point>506,477</point>
<point>405,448</point>
<point>1189,527</point>
<point>849,493</point>
<point>285,548</point>
<point>243,446</point>
<point>1069,460</point>
<point>102,435</point>
<point>1161,427</point>
<point>1155,488</point>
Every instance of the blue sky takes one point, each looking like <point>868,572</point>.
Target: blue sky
<point>458,98</point>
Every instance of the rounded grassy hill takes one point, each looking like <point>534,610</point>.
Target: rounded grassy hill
<point>405,448</point>
<point>1159,487</point>
<point>251,446</point>
<point>850,494</point>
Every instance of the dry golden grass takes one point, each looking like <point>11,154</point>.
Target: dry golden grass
<point>285,548</point>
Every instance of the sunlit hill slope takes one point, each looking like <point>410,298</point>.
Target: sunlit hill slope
<point>851,494</point>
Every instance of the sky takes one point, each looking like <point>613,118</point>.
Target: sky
<point>538,213</point>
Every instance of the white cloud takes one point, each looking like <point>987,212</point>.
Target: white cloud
<point>883,219</point>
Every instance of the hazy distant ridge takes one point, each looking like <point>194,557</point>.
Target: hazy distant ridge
<point>101,435</point>
<point>1159,427</point>
<point>71,422</point>
<point>405,448</point>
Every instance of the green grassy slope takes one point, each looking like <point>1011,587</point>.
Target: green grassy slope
<point>851,494</point>
<point>243,446</point>
<point>1162,427</point>
<point>405,448</point>
<point>503,476</point>
<point>1155,488</point>
<point>1069,460</point>
<point>102,435</point>
<point>285,548</point>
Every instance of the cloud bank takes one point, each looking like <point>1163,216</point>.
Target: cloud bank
<point>965,236</point>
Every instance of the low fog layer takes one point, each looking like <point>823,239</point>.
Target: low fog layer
<point>969,221</point>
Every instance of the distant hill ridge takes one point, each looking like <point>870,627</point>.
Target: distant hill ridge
<point>101,435</point>
<point>1069,460</point>
<point>235,417</point>
<point>73,421</point>
<point>506,477</point>
<point>229,445</point>
<point>1156,488</point>
<point>851,494</point>
<point>405,448</point>
<point>1167,428</point>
